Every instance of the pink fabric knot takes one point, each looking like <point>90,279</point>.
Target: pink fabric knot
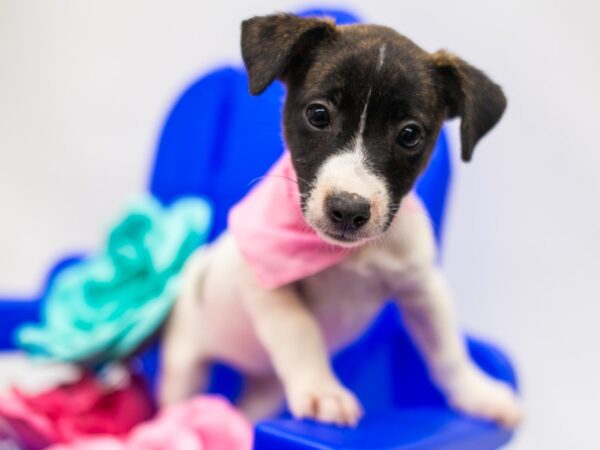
<point>273,236</point>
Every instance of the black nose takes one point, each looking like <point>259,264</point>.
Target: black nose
<point>349,211</point>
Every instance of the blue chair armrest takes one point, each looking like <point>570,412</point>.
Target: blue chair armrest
<point>14,311</point>
<point>404,409</point>
<point>395,429</point>
<point>406,428</point>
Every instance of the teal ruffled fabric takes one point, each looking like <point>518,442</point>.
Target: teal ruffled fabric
<point>106,307</point>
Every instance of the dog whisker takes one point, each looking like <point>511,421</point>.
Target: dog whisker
<point>284,177</point>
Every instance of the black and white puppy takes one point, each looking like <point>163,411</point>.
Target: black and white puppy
<point>363,110</point>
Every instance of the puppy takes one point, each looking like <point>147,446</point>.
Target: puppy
<point>363,109</point>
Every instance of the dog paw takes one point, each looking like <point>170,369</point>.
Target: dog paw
<point>327,402</point>
<point>478,395</point>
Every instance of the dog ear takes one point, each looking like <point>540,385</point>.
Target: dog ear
<point>270,43</point>
<point>468,92</point>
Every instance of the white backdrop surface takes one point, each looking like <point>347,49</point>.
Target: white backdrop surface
<point>85,86</point>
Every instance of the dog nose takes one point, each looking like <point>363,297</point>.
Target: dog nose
<point>350,211</point>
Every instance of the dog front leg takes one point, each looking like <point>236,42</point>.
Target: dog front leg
<point>184,358</point>
<point>429,317</point>
<point>294,342</point>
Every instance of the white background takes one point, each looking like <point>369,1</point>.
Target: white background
<point>85,86</point>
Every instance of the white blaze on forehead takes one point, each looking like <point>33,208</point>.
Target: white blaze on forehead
<point>363,118</point>
<point>363,115</point>
<point>381,56</point>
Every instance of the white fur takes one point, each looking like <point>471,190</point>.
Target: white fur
<point>282,340</point>
<point>348,171</point>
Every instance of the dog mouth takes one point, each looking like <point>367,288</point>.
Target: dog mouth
<point>341,238</point>
<point>345,238</point>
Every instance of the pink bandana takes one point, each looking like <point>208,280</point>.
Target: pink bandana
<point>273,236</point>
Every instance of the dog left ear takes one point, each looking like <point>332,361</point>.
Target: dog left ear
<point>469,93</point>
<point>270,43</point>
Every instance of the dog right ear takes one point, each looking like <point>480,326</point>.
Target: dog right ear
<point>271,43</point>
<point>470,94</point>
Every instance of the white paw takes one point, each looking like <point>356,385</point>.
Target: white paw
<point>478,395</point>
<point>327,401</point>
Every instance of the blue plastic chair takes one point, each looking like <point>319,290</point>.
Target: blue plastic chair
<point>215,141</point>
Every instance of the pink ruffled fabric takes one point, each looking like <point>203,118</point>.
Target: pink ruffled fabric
<point>203,423</point>
<point>69,412</point>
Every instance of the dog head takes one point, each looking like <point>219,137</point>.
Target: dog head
<point>364,107</point>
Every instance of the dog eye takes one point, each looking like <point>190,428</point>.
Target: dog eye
<point>317,115</point>
<point>410,136</point>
